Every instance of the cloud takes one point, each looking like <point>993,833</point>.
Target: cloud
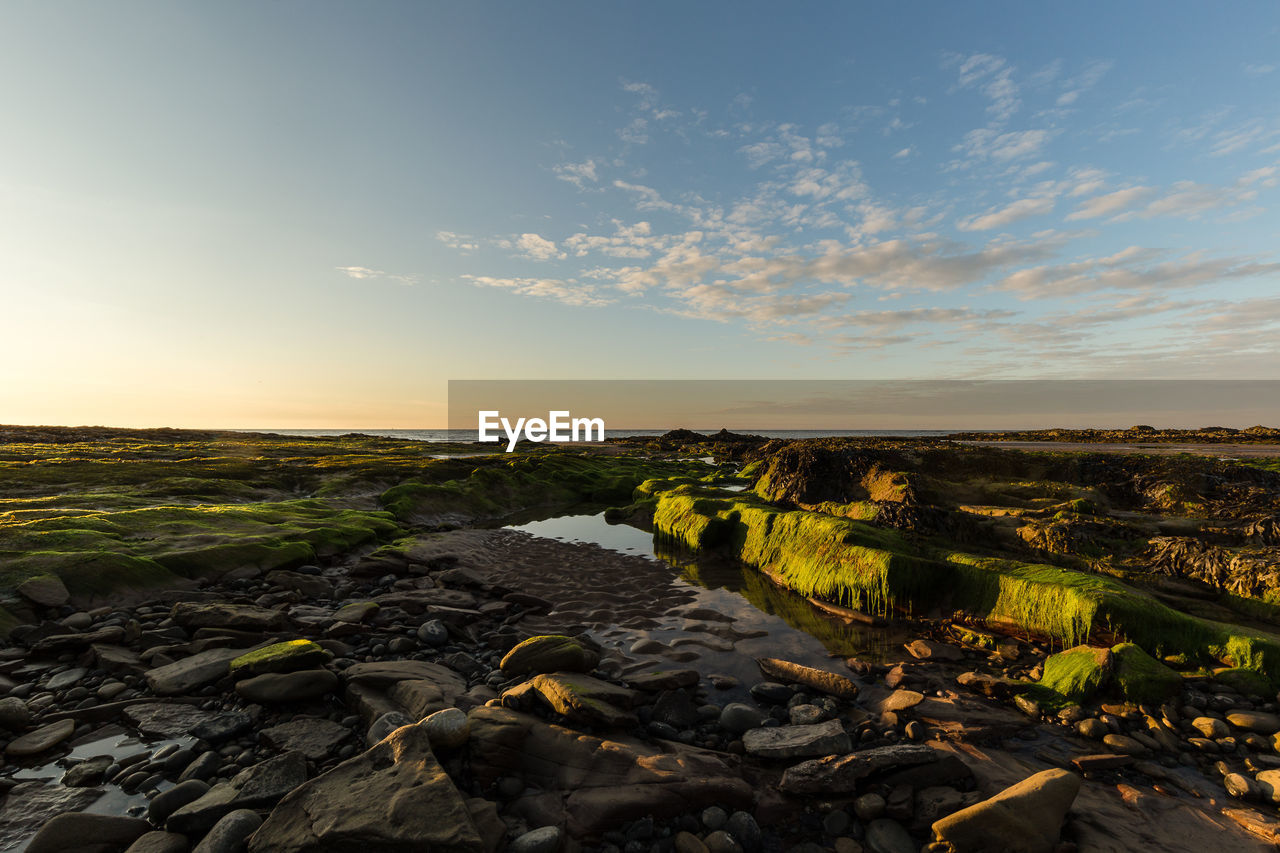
<point>537,248</point>
<point>1014,212</point>
<point>903,154</point>
<point>462,242</point>
<point>369,274</point>
<point>568,291</point>
<point>988,144</point>
<point>1105,205</point>
<point>993,77</point>
<point>1258,69</point>
<point>1133,269</point>
<point>1089,76</point>
<point>1191,200</point>
<point>578,174</point>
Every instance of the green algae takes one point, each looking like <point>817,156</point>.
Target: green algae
<point>1078,674</point>
<point>1141,678</point>
<point>280,657</point>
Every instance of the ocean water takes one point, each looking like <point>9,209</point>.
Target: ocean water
<point>466,435</point>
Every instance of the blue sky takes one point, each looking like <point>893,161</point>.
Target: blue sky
<point>314,214</point>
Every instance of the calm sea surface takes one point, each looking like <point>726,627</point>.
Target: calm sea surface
<point>464,435</point>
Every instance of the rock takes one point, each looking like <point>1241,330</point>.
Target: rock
<point>744,829</point>
<point>1269,785</point>
<point>722,842</point>
<point>772,693</point>
<point>929,650</point>
<point>230,833</point>
<point>1142,678</point>
<point>239,617</point>
<point>827,738</point>
<point>1026,817</point>
<point>386,724</point>
<point>167,802</point>
<point>14,714</point>
<point>888,836</point>
<point>543,840</point>
<point>59,643</point>
<point>382,675</point>
<point>1085,763</point>
<point>1093,728</point>
<point>163,719</point>
<point>585,699</point>
<point>279,687</point>
<point>407,804</point>
<point>841,774</point>
<point>65,679</point>
<point>1210,727</point>
<point>1255,721</point>
<point>310,586</point>
<point>1124,745</point>
<point>160,842</point>
<point>687,842</point>
<point>78,832</point>
<point>45,590</point>
<point>990,685</point>
<point>664,679</point>
<point>868,807</point>
<point>41,740</point>
<point>87,772</point>
<point>433,632</point>
<point>261,785</point>
<point>676,709</point>
<point>223,727</point>
<point>447,729</point>
<point>900,700</point>
<point>1241,787</point>
<point>1078,673</point>
<point>738,718</point>
<point>184,676</point>
<point>29,805</point>
<point>549,653</point>
<point>280,657</point>
<point>117,659</point>
<point>818,679</point>
<point>806,715</point>
<point>357,612</point>
<point>315,737</point>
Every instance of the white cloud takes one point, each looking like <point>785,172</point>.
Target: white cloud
<point>903,154</point>
<point>538,248</point>
<point>994,78</point>
<point>985,143</point>
<point>567,291</point>
<point>1105,205</point>
<point>462,242</point>
<point>1018,210</point>
<point>578,174</point>
<point>1133,269</point>
<point>369,274</point>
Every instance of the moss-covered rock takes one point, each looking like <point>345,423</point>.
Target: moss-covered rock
<point>1078,674</point>
<point>1246,681</point>
<point>1141,678</point>
<point>280,657</point>
<point>549,653</point>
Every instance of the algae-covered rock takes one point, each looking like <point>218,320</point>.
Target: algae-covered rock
<point>1247,681</point>
<point>1079,673</point>
<point>1141,678</point>
<point>586,699</point>
<point>549,653</point>
<point>280,657</point>
<point>45,590</point>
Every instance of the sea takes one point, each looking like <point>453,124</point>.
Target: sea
<point>464,435</point>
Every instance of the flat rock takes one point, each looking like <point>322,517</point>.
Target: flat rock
<point>41,740</point>
<point>407,803</point>
<point>1255,721</point>
<point>281,687</point>
<point>586,699</point>
<point>159,841</point>
<point>288,656</point>
<point>259,786</point>
<point>78,832</point>
<point>58,643</point>
<point>663,679</point>
<point>45,590</point>
<point>841,774</point>
<point>66,678</point>
<point>808,741</point>
<point>818,679</point>
<point>1026,817</point>
<point>188,674</point>
<point>356,612</point>
<point>900,700</point>
<point>223,727</point>
<point>315,737</point>
<point>165,720</point>
<point>888,836</point>
<point>240,617</point>
<point>30,805</point>
<point>381,675</point>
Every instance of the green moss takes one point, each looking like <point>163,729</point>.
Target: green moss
<point>1246,681</point>
<point>1077,674</point>
<point>280,657</point>
<point>1140,677</point>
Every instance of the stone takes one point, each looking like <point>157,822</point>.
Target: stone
<point>59,643</point>
<point>990,685</point>
<point>66,678</point>
<point>841,774</point>
<point>223,727</point>
<point>14,714</point>
<point>1269,785</point>
<point>664,679</point>
<point>30,805</point>
<point>810,741</point>
<point>164,719</point>
<point>738,717</point>
<point>1092,728</point>
<point>930,650</point>
<point>190,673</point>
<point>818,679</point>
<point>41,740</point>
<point>1211,727</point>
<point>309,585</point>
<point>382,675</point>
<point>314,737</point>
<point>1026,817</point>
<point>1255,721</point>
<point>1078,673</point>
<point>45,590</point>
<point>676,709</point>
<point>900,700</point>
<point>1086,763</point>
<point>288,656</point>
<point>79,832</point>
<point>87,772</point>
<point>433,632</point>
<point>888,836</point>
<point>687,842</point>
<point>868,807</point>
<point>586,699</point>
<point>447,729</point>
<point>722,842</point>
<point>386,724</point>
<point>167,802</point>
<point>1124,745</point>
<point>806,715</point>
<point>548,653</point>
<point>543,840</point>
<point>117,659</point>
<point>744,829</point>
<point>1141,678</point>
<point>356,612</point>
<point>259,786</point>
<point>280,687</point>
<point>407,804</point>
<point>230,833</point>
<point>239,617</point>
<point>1241,786</point>
<point>160,842</point>
<point>419,699</point>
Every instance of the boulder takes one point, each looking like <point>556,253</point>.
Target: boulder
<point>165,720</point>
<point>407,804</point>
<point>548,653</point>
<point>45,590</point>
<point>288,656</point>
<point>184,676</point>
<point>314,737</point>
<point>585,699</point>
<point>273,688</point>
<point>41,740</point>
<point>78,832</point>
<point>259,786</point>
<point>1255,721</point>
<point>842,774</point>
<point>1027,817</point>
<point>809,741</point>
<point>240,617</point>
<point>818,679</point>
<point>1141,678</point>
<point>1078,673</point>
<point>30,805</point>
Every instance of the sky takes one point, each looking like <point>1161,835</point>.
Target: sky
<point>315,214</point>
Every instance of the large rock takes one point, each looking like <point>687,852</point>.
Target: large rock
<point>309,585</point>
<point>818,679</point>
<point>841,774</point>
<point>315,737</point>
<point>1255,721</point>
<point>1078,673</point>
<point>827,738</point>
<point>549,653</point>
<point>585,699</point>
<point>29,805</point>
<point>273,688</point>
<point>259,786</point>
<point>45,590</point>
<point>78,832</point>
<point>406,803</point>
<point>165,720</point>
<point>1141,678</point>
<point>41,740</point>
<point>230,833</point>
<point>280,657</point>
<point>188,674</point>
<point>381,675</point>
<point>1027,817</point>
<point>240,617</point>
<point>599,783</point>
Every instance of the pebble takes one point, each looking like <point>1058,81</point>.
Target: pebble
<point>543,840</point>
